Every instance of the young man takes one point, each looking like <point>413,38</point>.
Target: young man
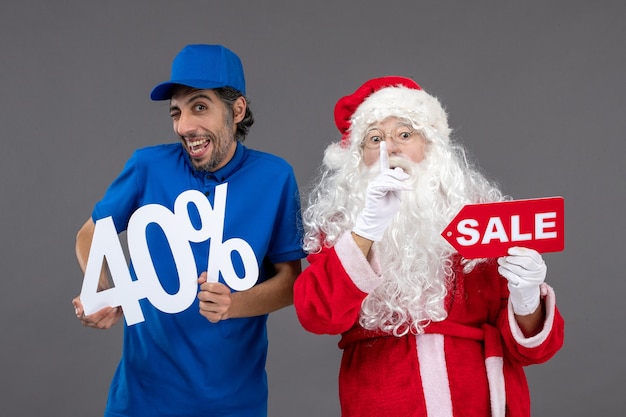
<point>424,332</point>
<point>210,358</point>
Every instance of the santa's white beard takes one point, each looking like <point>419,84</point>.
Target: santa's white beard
<point>415,259</point>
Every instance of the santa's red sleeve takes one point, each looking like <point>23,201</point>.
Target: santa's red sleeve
<point>537,348</point>
<point>329,292</point>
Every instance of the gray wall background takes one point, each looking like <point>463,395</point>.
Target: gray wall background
<point>535,90</point>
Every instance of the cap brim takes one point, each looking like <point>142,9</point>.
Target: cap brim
<point>163,91</point>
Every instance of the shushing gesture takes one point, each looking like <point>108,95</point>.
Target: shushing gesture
<point>382,199</point>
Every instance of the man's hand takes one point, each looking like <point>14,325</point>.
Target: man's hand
<point>525,270</point>
<point>101,319</point>
<point>382,199</point>
<point>215,299</point>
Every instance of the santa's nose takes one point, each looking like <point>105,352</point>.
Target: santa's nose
<point>392,147</point>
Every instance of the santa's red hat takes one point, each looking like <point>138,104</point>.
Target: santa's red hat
<point>383,97</point>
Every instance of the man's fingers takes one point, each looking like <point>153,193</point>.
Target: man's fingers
<point>215,288</point>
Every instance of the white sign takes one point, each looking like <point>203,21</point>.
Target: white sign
<point>180,232</point>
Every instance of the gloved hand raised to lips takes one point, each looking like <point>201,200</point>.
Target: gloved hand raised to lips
<point>382,199</point>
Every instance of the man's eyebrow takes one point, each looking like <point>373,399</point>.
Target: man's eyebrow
<point>192,99</point>
<point>197,96</point>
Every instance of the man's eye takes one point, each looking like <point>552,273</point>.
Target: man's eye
<point>200,107</point>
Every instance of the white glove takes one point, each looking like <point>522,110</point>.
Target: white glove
<point>382,199</point>
<point>525,270</point>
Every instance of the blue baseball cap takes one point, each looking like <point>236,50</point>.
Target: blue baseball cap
<point>204,67</point>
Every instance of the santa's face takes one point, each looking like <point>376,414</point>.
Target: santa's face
<point>401,139</point>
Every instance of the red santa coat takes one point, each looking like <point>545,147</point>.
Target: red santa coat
<point>469,365</point>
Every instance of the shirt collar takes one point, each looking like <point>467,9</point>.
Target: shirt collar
<point>224,172</point>
<point>232,165</point>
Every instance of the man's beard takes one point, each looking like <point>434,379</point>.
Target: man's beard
<point>221,146</point>
<point>221,141</point>
<point>415,260</point>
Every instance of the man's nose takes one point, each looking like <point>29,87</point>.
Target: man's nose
<point>184,125</point>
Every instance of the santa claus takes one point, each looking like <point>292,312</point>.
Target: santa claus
<point>424,331</point>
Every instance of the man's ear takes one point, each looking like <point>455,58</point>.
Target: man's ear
<point>239,109</point>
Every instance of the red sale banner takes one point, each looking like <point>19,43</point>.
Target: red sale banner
<point>489,230</point>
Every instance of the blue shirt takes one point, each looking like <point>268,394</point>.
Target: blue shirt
<point>181,364</point>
